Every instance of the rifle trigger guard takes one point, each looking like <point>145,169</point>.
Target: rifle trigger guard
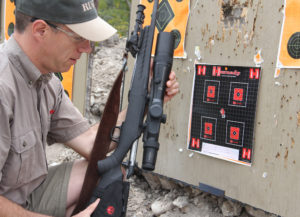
<point>115,139</point>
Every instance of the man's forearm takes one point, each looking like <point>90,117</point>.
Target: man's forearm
<point>83,144</point>
<point>121,117</point>
<point>10,209</point>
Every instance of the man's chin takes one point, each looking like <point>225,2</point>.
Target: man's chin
<point>66,69</point>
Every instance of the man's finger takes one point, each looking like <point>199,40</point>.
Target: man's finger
<point>90,209</point>
<point>172,92</point>
<point>174,85</point>
<point>172,75</point>
<point>172,79</point>
<point>169,95</point>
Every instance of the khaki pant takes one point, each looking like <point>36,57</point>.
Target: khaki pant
<point>50,197</point>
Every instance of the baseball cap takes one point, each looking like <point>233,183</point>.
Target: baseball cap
<point>79,15</point>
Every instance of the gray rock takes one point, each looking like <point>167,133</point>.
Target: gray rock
<point>195,192</point>
<point>230,208</point>
<point>181,201</point>
<point>161,206</point>
<point>92,100</point>
<point>199,201</point>
<point>95,109</point>
<point>245,214</point>
<point>116,39</point>
<point>167,184</point>
<point>171,195</point>
<point>152,180</point>
<point>257,212</point>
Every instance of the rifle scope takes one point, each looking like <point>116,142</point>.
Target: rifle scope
<point>163,61</point>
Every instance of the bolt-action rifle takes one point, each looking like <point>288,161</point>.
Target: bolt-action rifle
<point>111,188</point>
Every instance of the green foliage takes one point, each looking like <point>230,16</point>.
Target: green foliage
<point>116,13</point>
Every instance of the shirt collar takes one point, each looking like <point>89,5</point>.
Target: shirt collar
<point>21,61</point>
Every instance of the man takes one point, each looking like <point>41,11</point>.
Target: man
<point>50,36</point>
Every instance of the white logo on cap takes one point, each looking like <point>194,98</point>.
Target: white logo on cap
<point>88,6</point>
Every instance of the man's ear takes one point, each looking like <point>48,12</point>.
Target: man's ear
<point>39,29</point>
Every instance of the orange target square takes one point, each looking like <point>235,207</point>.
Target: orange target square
<point>208,128</point>
<point>234,133</point>
<point>238,94</point>
<point>211,91</point>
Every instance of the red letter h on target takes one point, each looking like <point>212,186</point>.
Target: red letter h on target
<point>246,153</point>
<point>195,143</point>
<point>201,70</point>
<point>254,73</point>
<point>216,71</point>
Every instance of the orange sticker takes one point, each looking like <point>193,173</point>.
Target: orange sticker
<point>258,58</point>
<point>173,17</point>
<point>277,73</point>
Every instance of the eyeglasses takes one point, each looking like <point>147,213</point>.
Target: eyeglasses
<point>76,37</point>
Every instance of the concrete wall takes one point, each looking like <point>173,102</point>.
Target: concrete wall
<point>272,183</point>
<point>80,81</point>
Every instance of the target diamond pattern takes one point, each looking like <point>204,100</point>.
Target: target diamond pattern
<point>165,15</point>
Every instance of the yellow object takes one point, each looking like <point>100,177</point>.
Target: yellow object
<point>67,81</point>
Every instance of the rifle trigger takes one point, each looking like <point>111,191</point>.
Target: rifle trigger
<point>112,137</point>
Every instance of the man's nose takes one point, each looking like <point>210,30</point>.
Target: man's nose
<point>85,47</point>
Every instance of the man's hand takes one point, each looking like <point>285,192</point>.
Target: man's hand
<point>89,210</point>
<point>172,87</point>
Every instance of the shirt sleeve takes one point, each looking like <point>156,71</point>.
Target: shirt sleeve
<point>66,122</point>
<point>5,132</point>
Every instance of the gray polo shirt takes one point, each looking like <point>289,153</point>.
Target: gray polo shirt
<point>33,110</point>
